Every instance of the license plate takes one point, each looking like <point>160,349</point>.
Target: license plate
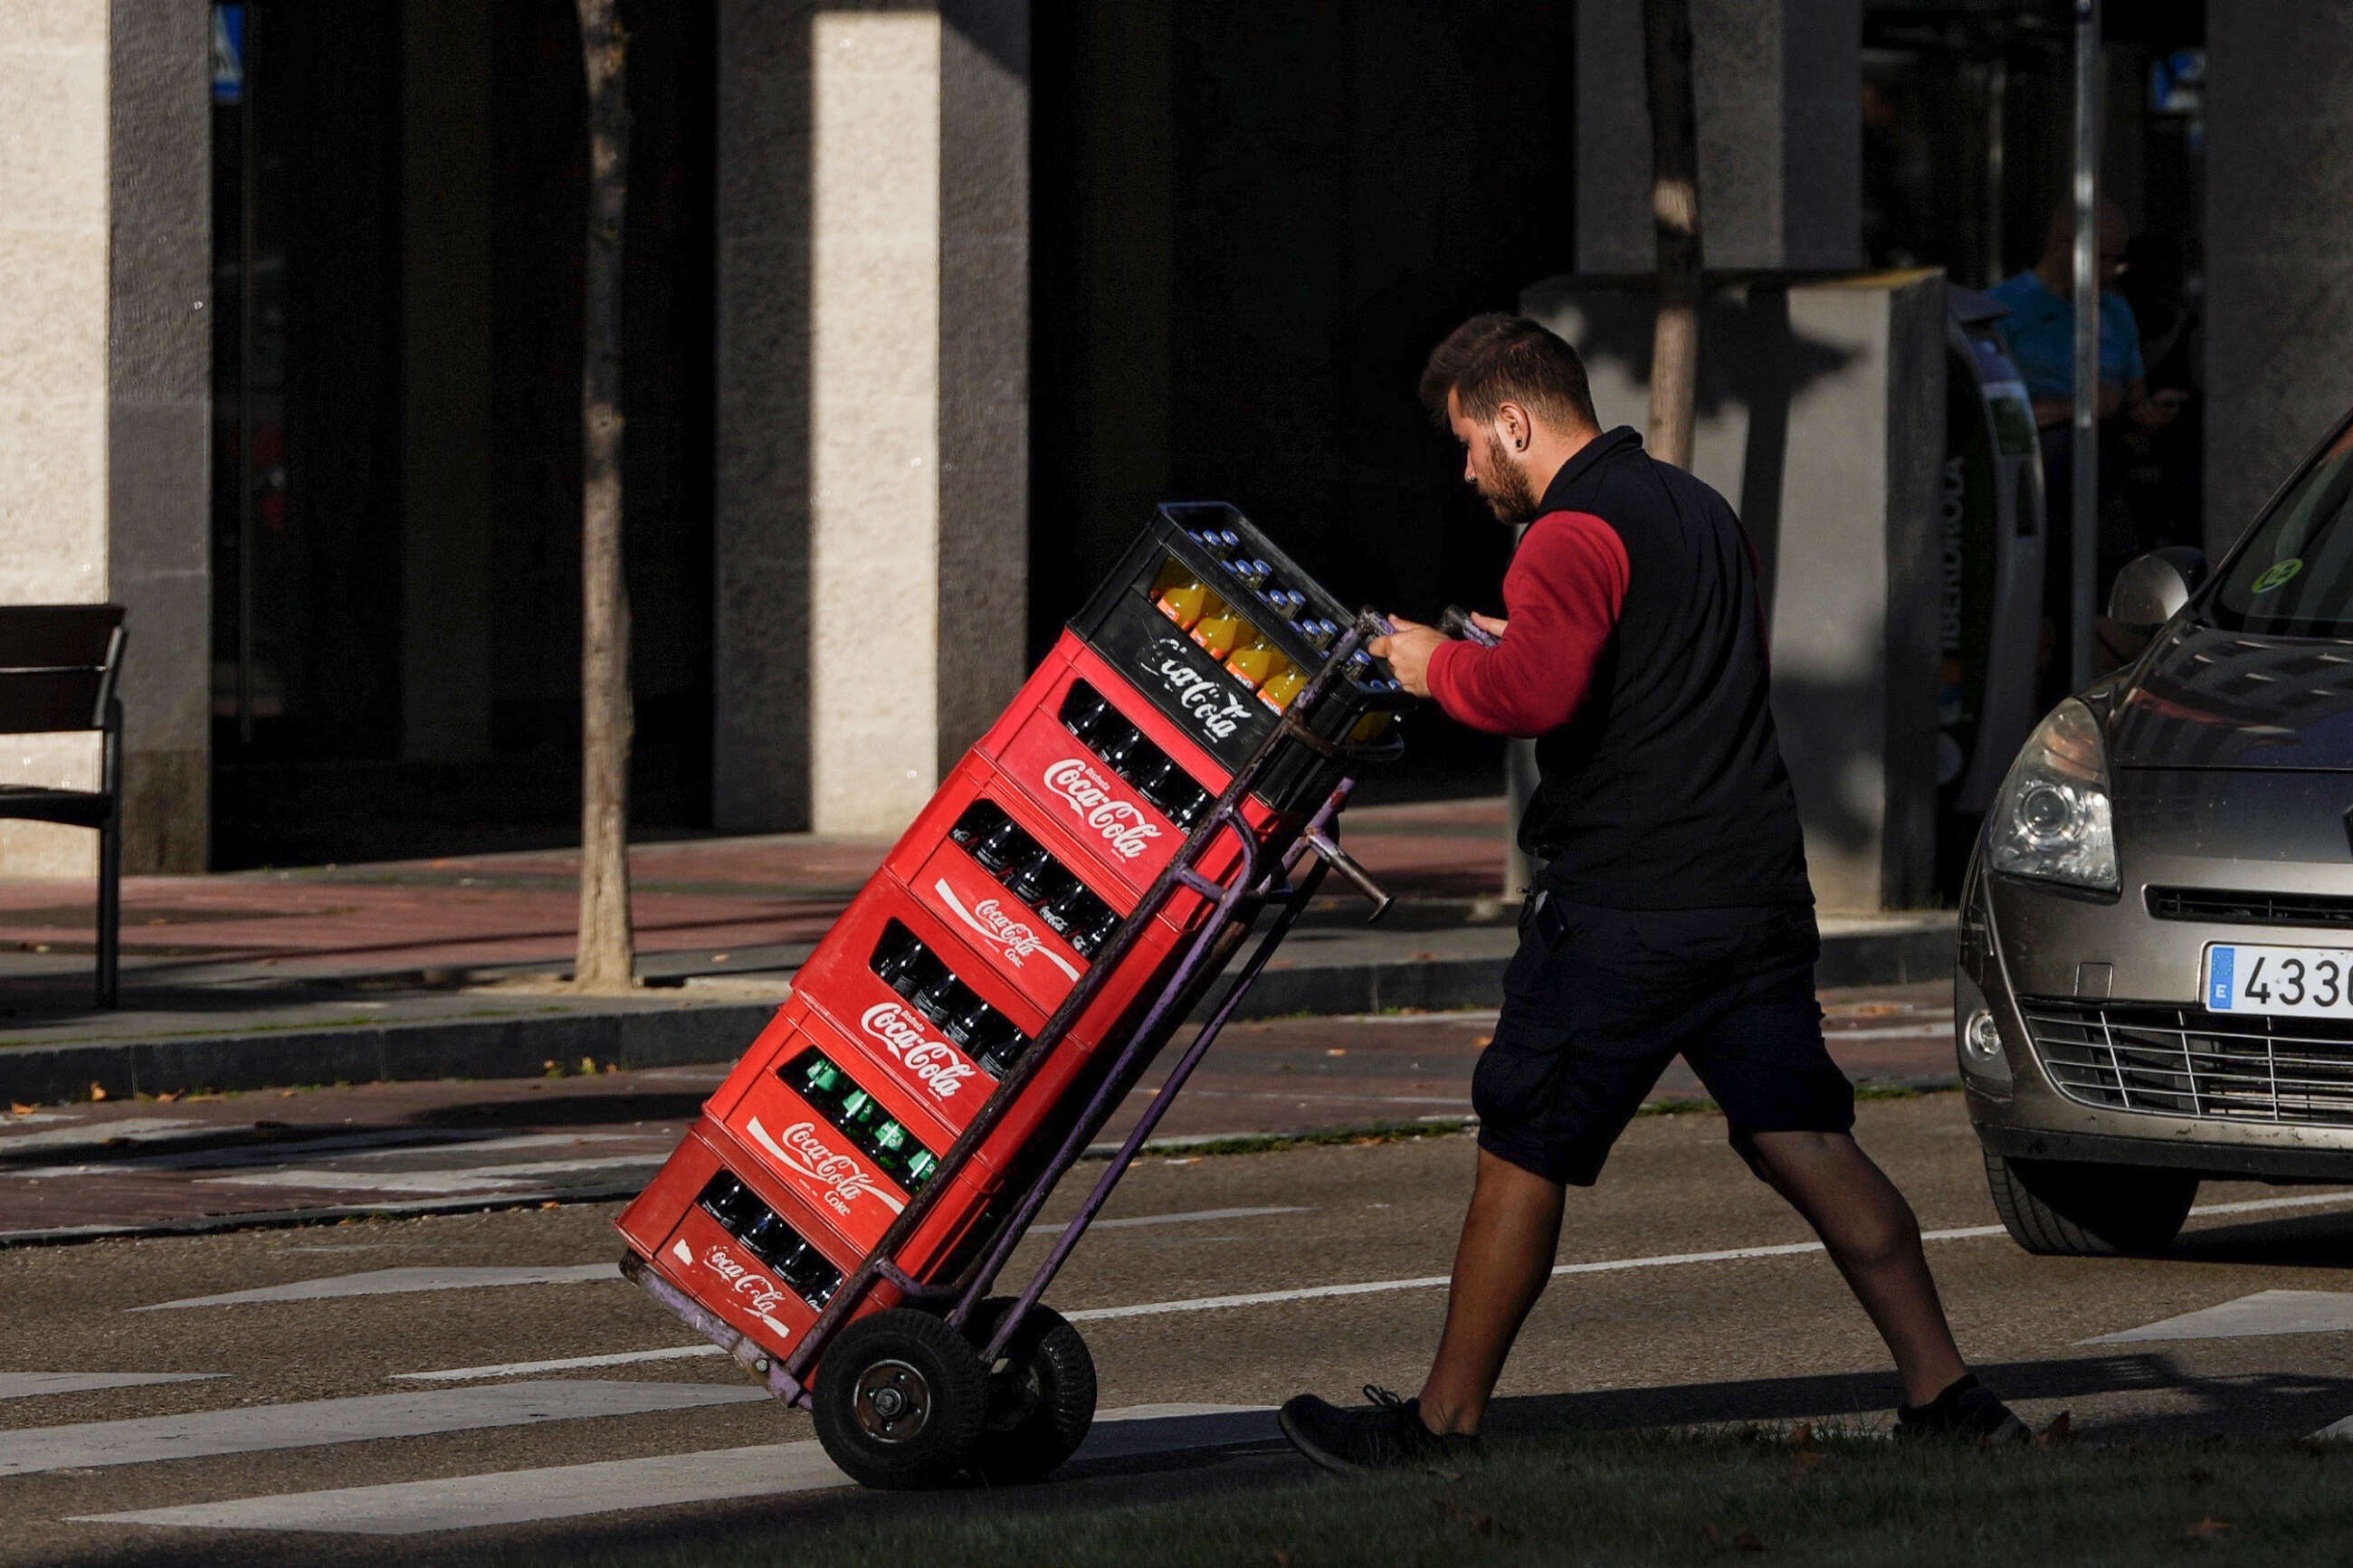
<point>2295,982</point>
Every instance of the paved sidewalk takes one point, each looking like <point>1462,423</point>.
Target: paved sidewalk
<point>205,1160</point>
<point>420,969</point>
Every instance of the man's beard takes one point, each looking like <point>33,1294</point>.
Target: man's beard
<point>1512,498</point>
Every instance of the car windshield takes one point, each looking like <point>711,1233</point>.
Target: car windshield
<point>2294,578</point>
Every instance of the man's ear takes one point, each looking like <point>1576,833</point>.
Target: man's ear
<point>1517,427</point>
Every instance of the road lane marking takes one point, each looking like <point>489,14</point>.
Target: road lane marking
<point>1611,1265</point>
<point>370,1145</point>
<point>2264,1313</point>
<point>1172,1218</point>
<point>665,1480</point>
<point>568,1364</point>
<point>131,1128</point>
<point>398,1282</point>
<point>473,1178</point>
<point>25,1384</point>
<point>255,1428</point>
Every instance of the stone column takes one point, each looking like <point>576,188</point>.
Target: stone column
<point>1778,85</point>
<point>873,322</point>
<point>104,239</point>
<point>2279,248</point>
<point>446,625</point>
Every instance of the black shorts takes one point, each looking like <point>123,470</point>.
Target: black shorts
<point>1598,1002</point>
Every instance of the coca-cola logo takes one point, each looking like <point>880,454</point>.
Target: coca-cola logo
<point>761,1293</point>
<point>1017,938</point>
<point>1218,712</point>
<point>934,1063</point>
<point>1121,822</point>
<point>840,1180</point>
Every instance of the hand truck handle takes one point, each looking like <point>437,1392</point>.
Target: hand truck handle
<point>1340,860</point>
<point>1456,622</point>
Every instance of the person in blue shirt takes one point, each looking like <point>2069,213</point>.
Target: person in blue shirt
<point>2040,329</point>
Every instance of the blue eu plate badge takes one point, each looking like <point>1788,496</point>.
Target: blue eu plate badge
<point>2219,976</point>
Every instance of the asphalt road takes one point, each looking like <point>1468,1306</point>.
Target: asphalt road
<point>297,1428</point>
<point>128,1165</point>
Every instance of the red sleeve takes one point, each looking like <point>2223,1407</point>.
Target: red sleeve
<point>1563,594</point>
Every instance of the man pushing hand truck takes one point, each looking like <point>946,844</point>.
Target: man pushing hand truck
<point>1672,915</point>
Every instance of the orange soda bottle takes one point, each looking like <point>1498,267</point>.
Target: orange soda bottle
<point>1282,686</point>
<point>1255,660</point>
<point>1219,626</point>
<point>1180,593</point>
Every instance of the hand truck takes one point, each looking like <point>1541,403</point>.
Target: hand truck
<point>806,1223</point>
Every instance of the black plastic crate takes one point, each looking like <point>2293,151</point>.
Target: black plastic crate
<point>1192,686</point>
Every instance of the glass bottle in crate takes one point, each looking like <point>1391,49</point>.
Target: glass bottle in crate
<point>1181,593</point>
<point>1219,627</point>
<point>1255,660</point>
<point>1282,686</point>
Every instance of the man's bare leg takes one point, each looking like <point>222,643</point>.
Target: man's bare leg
<point>1501,1267</point>
<point>1874,1239</point>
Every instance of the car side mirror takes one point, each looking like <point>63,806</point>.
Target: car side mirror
<point>2151,588</point>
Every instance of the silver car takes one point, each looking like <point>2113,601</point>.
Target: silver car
<point>2153,983</point>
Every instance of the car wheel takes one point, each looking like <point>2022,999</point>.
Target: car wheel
<point>2068,1210</point>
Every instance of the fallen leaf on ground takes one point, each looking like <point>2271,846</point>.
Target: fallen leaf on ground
<point>1802,1435</point>
<point>2207,1529</point>
<point>1337,1051</point>
<point>2059,1434</point>
<point>588,1064</point>
<point>18,1108</point>
<point>1484,1040</point>
<point>165,1097</point>
<point>551,1204</point>
<point>288,1093</point>
<point>98,1091</point>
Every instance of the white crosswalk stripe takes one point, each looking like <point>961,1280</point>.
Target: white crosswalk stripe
<point>398,1282</point>
<point>565,1491</point>
<point>250,1429</point>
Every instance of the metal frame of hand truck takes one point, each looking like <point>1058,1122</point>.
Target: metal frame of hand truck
<point>1261,879</point>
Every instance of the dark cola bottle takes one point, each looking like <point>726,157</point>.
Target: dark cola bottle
<point>1088,717</point>
<point>899,961</point>
<point>1094,933</point>
<point>1001,846</point>
<point>999,1046</point>
<point>770,1237</point>
<point>1067,910</point>
<point>1192,804</point>
<point>734,1206</point>
<point>1128,753</point>
<point>940,996</point>
<point>972,1024</point>
<point>1037,879</point>
<point>1164,784</point>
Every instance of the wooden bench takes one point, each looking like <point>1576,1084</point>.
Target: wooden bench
<point>58,669</point>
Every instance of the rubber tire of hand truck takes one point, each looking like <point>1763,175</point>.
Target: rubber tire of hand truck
<point>899,1401</point>
<point>1041,1395</point>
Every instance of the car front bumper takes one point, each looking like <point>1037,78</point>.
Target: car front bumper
<point>2075,985</point>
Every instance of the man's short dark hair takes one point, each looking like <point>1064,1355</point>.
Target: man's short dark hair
<point>1495,359</point>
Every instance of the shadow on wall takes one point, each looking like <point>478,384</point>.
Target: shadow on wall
<point>1752,365</point>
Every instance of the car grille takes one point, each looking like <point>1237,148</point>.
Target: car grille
<point>2185,1061</point>
<point>2222,907</point>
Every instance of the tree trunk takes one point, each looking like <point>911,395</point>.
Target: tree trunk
<point>606,959</point>
<point>1674,211</point>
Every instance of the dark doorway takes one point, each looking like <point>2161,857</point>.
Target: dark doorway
<point>400,188</point>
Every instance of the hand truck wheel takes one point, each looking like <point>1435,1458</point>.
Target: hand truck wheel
<point>1041,1395</point>
<point>900,1400</point>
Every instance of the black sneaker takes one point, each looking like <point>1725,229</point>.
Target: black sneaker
<point>1389,1433</point>
<point>1967,1410</point>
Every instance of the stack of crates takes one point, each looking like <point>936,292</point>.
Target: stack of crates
<point>1041,845</point>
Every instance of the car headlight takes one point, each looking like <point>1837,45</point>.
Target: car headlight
<point>2052,819</point>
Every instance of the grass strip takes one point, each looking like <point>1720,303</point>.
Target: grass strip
<point>1618,1499</point>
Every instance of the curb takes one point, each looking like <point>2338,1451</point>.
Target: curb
<point>699,1033</point>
